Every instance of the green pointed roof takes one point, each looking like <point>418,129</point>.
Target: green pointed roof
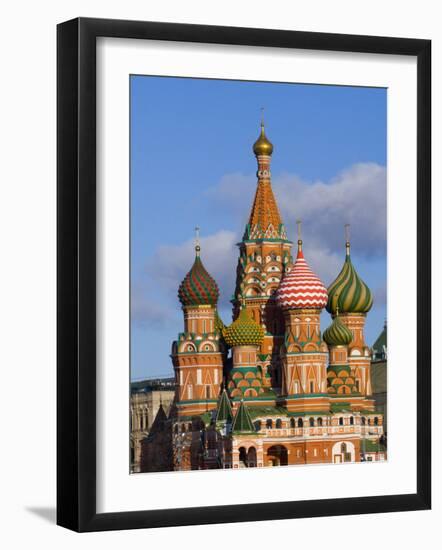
<point>242,422</point>
<point>159,421</point>
<point>244,331</point>
<point>348,291</point>
<point>224,411</point>
<point>337,334</point>
<point>381,341</point>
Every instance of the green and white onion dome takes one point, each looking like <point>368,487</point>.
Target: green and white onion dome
<point>337,334</point>
<point>348,293</point>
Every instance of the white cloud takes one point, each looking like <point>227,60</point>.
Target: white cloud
<point>380,296</point>
<point>356,196</point>
<point>146,311</point>
<point>170,263</point>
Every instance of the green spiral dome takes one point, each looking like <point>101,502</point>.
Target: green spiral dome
<point>198,286</point>
<point>244,331</point>
<point>337,334</point>
<point>349,292</point>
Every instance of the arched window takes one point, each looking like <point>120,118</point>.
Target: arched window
<point>176,428</point>
<point>243,455</point>
<point>341,421</point>
<point>251,457</point>
<point>269,423</point>
<point>343,448</point>
<point>278,424</point>
<point>258,425</point>
<point>311,422</point>
<point>300,423</point>
<point>189,426</point>
<point>292,423</point>
<point>352,421</point>
<point>363,420</point>
<point>376,420</point>
<point>319,421</point>
<point>183,428</point>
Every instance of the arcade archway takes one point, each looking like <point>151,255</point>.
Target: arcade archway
<point>277,455</point>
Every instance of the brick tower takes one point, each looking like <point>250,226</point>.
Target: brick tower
<point>302,296</point>
<point>264,257</point>
<point>351,297</point>
<point>197,355</point>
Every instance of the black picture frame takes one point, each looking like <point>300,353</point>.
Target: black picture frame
<point>77,287</point>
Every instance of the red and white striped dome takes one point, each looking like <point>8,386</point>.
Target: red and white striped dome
<point>301,288</point>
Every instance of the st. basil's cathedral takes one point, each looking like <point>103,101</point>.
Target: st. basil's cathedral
<point>269,389</point>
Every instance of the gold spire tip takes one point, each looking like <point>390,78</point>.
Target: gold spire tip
<point>197,241</point>
<point>299,231</point>
<point>347,238</point>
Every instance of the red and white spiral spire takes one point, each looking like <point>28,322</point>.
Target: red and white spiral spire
<point>301,288</point>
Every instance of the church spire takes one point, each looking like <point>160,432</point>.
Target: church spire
<point>265,220</point>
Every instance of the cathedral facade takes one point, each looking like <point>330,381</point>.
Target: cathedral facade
<point>269,389</point>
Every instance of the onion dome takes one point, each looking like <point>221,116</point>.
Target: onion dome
<point>219,324</point>
<point>337,334</point>
<point>198,286</point>
<point>348,292</point>
<point>262,145</point>
<point>301,288</point>
<point>244,331</point>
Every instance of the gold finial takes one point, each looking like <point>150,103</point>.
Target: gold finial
<point>347,239</point>
<point>262,145</point>
<point>197,241</point>
<point>299,224</point>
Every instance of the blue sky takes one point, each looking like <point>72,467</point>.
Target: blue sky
<point>192,164</point>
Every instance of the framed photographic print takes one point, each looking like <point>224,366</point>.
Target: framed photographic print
<point>243,214</point>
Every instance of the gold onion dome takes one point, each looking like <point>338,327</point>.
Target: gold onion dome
<point>348,292</point>
<point>198,286</point>
<point>244,331</point>
<point>337,334</point>
<point>262,145</point>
